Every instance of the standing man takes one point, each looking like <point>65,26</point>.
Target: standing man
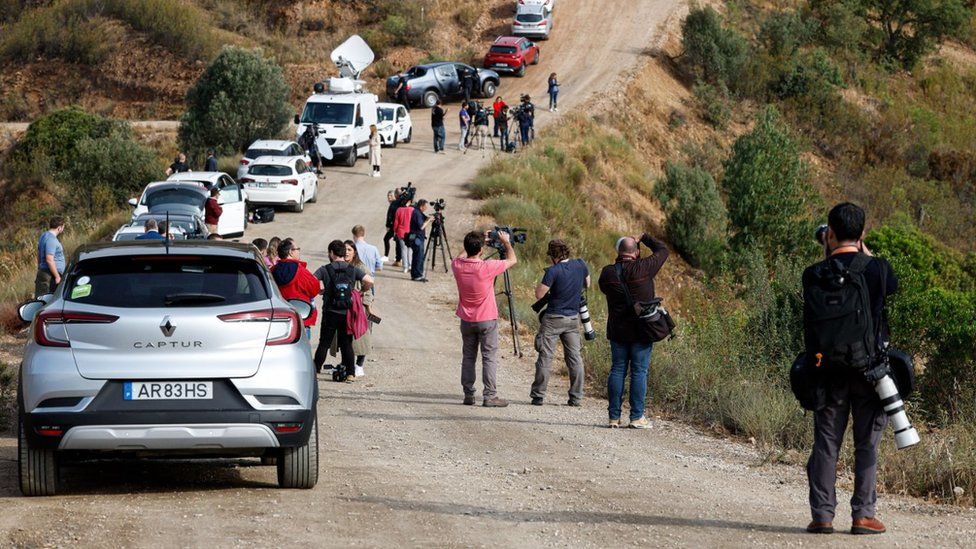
<point>338,281</point>
<point>481,126</point>
<point>212,210</point>
<point>630,342</point>
<point>464,118</point>
<point>211,164</point>
<point>368,254</point>
<point>294,280</point>
<point>437,124</point>
<point>467,84</point>
<point>151,229</point>
<point>178,166</point>
<point>401,92</point>
<point>417,238</point>
<point>393,197</point>
<point>848,392</point>
<point>50,258</point>
<point>478,312</point>
<point>563,283</point>
<point>526,120</point>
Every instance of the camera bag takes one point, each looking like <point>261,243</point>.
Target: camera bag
<point>264,215</point>
<point>657,321</point>
<point>807,383</point>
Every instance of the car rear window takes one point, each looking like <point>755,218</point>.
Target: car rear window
<point>184,197</point>
<point>274,170</point>
<point>528,17</point>
<point>502,49</point>
<point>255,153</point>
<point>166,281</point>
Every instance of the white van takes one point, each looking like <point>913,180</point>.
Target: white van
<point>341,109</point>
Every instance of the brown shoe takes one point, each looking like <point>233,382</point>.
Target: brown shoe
<point>495,403</point>
<point>469,400</point>
<point>820,527</point>
<point>867,525</point>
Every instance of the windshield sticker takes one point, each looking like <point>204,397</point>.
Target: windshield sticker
<point>82,290</point>
<point>84,280</point>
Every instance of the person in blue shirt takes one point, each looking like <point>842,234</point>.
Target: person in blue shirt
<point>563,283</point>
<point>368,254</point>
<point>50,258</point>
<point>416,238</point>
<point>152,231</point>
<point>211,163</point>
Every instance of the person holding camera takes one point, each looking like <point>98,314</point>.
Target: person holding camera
<point>417,237</point>
<point>393,199</point>
<point>339,280</point>
<point>481,126</point>
<point>848,392</point>
<point>563,282</point>
<point>478,312</point>
<point>526,120</point>
<point>630,342</point>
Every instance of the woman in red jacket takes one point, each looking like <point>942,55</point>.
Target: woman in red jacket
<point>401,226</point>
<point>295,281</point>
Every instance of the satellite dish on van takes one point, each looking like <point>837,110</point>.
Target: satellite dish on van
<point>352,56</point>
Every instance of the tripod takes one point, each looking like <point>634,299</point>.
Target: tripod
<point>438,239</point>
<point>510,297</point>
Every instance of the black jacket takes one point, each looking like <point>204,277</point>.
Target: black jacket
<point>622,323</point>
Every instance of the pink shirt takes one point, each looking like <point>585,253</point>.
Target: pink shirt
<point>476,288</point>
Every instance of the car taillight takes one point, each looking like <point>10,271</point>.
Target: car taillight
<point>408,87</point>
<point>287,427</point>
<point>292,334</point>
<point>245,161</point>
<point>49,326</point>
<point>542,24</point>
<point>290,182</point>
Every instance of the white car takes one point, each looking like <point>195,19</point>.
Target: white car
<point>532,21</point>
<point>547,4</point>
<point>281,181</point>
<point>393,123</point>
<point>270,147</point>
<point>232,199</point>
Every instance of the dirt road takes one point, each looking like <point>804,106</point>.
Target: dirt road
<point>405,464</point>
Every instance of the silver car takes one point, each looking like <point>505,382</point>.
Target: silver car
<point>149,349</point>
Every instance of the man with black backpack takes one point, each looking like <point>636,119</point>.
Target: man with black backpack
<point>338,280</point>
<point>844,329</point>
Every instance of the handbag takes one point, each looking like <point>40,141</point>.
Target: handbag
<point>655,318</point>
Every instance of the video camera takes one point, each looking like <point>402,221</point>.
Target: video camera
<point>438,204</point>
<point>408,193</point>
<point>516,236</point>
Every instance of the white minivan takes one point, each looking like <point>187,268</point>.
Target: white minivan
<point>343,113</point>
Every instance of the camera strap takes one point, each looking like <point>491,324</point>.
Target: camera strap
<point>619,267</point>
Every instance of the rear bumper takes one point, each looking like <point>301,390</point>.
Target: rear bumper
<point>278,196</point>
<point>530,33</point>
<point>503,68</point>
<point>168,437</point>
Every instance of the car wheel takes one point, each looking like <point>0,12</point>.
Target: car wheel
<point>521,71</point>
<point>300,207</point>
<point>538,55</point>
<point>351,157</point>
<point>409,136</point>
<point>488,89</point>
<point>38,468</point>
<point>299,467</point>
<point>315,192</point>
<point>393,143</point>
<point>430,98</point>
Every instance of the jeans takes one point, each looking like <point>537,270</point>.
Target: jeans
<point>44,283</point>
<point>417,262</point>
<point>504,136</point>
<point>553,103</point>
<point>464,137</point>
<point>440,135</point>
<point>635,357</point>
<point>403,251</point>
<point>526,133</point>
<point>483,335</point>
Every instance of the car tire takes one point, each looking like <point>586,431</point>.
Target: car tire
<point>300,207</point>
<point>298,467</point>
<point>351,157</point>
<point>409,136</point>
<point>538,55</point>
<point>37,467</point>
<point>521,71</point>
<point>393,143</point>
<point>430,98</point>
<point>488,89</point>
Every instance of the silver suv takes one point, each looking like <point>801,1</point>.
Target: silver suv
<point>149,349</point>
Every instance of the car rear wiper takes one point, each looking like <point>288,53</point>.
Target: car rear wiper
<point>192,299</point>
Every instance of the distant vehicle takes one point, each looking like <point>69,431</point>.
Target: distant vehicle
<point>393,124</point>
<point>428,83</point>
<point>533,21</point>
<point>182,226</point>
<point>549,5</point>
<point>193,191</point>
<point>270,147</point>
<point>341,108</point>
<point>186,350</point>
<point>281,181</point>
<point>512,54</point>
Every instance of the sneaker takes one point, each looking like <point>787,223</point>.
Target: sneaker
<point>469,400</point>
<point>537,401</point>
<point>384,259</point>
<point>397,264</point>
<point>378,174</point>
<point>421,279</point>
<point>640,423</point>
<point>360,372</point>
<point>820,527</point>
<point>575,403</point>
<point>406,269</point>
<point>350,379</point>
<point>867,525</point>
<point>614,423</point>
<point>495,403</point>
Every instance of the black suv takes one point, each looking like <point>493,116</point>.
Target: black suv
<point>428,83</point>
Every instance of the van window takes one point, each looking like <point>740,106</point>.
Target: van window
<point>328,113</point>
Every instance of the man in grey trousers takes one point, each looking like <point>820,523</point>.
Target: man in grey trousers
<point>478,312</point>
<point>563,284</point>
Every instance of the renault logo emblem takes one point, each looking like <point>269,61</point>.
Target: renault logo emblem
<point>167,326</point>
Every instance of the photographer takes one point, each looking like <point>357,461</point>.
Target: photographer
<point>478,312</point>
<point>401,228</point>
<point>481,126</point>
<point>526,120</point>
<point>630,343</point>
<point>393,198</point>
<point>563,283</point>
<point>848,393</point>
<point>417,237</point>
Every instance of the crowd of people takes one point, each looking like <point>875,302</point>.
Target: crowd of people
<point>474,119</point>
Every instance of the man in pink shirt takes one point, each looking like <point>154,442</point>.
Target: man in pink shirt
<point>479,314</point>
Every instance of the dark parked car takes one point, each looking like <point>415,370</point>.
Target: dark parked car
<point>428,83</point>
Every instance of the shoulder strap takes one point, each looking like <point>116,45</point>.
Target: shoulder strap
<point>623,283</point>
<point>860,263</point>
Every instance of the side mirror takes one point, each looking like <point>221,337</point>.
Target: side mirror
<point>29,310</point>
<point>359,121</point>
<point>303,308</point>
<point>133,202</point>
<point>298,120</point>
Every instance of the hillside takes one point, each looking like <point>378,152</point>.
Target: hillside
<point>135,59</point>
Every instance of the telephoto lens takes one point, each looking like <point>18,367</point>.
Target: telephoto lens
<point>588,332</point>
<point>894,407</point>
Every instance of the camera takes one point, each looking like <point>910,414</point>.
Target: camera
<point>438,204</point>
<point>821,235</point>
<point>408,193</point>
<point>516,236</point>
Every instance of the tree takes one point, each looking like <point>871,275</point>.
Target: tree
<point>713,54</point>
<point>769,198</point>
<point>241,97</point>
<point>696,218</point>
<point>107,170</point>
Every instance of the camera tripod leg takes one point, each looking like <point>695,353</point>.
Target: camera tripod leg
<point>511,313</point>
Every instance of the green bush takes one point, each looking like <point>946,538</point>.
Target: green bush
<point>769,198</point>
<point>696,222</point>
<point>712,53</point>
<point>783,33</point>
<point>105,171</point>
<point>714,103</point>
<point>407,23</point>
<point>50,143</point>
<point>241,96</point>
<point>810,73</point>
<point>45,32</point>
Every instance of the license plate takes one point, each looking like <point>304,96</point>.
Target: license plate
<point>167,390</point>
<point>501,64</point>
<point>267,185</point>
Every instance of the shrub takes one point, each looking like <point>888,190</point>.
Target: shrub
<point>810,73</point>
<point>714,104</point>
<point>50,141</point>
<point>45,32</point>
<point>696,218</point>
<point>407,23</point>
<point>782,33</point>
<point>769,198</point>
<point>240,97</point>
<point>712,53</point>
<point>107,170</point>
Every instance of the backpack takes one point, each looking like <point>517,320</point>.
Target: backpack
<point>342,282</point>
<point>807,384</point>
<point>837,316</point>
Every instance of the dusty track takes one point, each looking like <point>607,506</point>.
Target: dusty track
<point>405,464</point>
